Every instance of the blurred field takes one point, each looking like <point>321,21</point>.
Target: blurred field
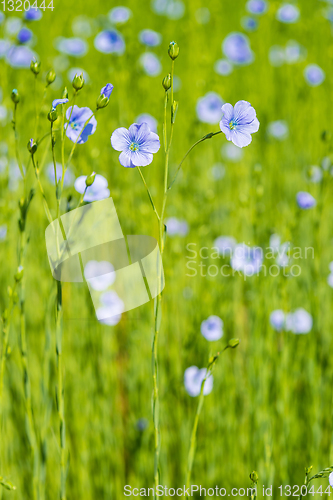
<point>271,405</point>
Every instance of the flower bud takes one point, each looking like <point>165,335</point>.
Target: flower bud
<point>254,476</point>
<point>52,115</point>
<point>65,93</point>
<point>15,96</point>
<point>233,343</point>
<point>102,101</point>
<point>90,179</point>
<point>32,146</point>
<point>174,109</point>
<point>50,77</point>
<point>78,82</point>
<point>173,50</point>
<point>35,67</point>
<point>19,274</point>
<point>166,82</point>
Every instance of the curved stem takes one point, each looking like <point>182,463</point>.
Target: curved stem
<point>148,192</point>
<point>208,136</point>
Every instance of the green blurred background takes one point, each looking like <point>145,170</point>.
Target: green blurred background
<point>271,405</point>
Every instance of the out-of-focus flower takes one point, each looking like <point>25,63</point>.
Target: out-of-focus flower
<point>4,47</point>
<point>97,191</point>
<point>3,232</point>
<point>212,328</point>
<point>24,35</point>
<point>119,15</point>
<point>68,179</point>
<point>173,9</point>
<point>247,259</point>
<point>236,48</point>
<point>209,108</point>
<point>2,17</point>
<point>150,64</point>
<point>202,15</point>
<point>294,52</point>
<point>314,75</point>
<point>305,200</point>
<point>76,129</point>
<point>13,25</point>
<point>193,378</point>
<point>176,227</point>
<point>315,174</point>
<point>149,119</point>
<point>111,308</point>
<point>137,145</point>
<point>150,38</point>
<point>249,24</point>
<point>231,152</point>
<point>225,245</point>
<point>256,6</point>
<point>239,122</point>
<point>278,129</point>
<point>81,26</point>
<point>110,42</point>
<point>299,322</point>
<point>56,102</point>
<point>277,320</point>
<point>19,56</point>
<point>217,171</point>
<point>280,250</point>
<point>101,275</point>
<point>288,13</point>
<point>71,46</point>
<point>276,55</point>
<point>33,14</point>
<point>223,67</point>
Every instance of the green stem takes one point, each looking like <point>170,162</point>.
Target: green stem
<point>78,137</point>
<point>60,392</point>
<point>26,379</point>
<point>208,136</point>
<point>6,321</point>
<point>148,192</point>
<point>16,142</point>
<point>193,442</point>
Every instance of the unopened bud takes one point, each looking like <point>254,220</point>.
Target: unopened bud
<point>50,77</point>
<point>35,67</point>
<point>173,50</point>
<point>233,343</point>
<point>65,93</point>
<point>102,101</point>
<point>19,274</point>
<point>174,109</point>
<point>32,146</point>
<point>254,476</point>
<point>90,179</point>
<point>78,82</point>
<point>52,115</point>
<point>166,82</point>
<point>15,96</point>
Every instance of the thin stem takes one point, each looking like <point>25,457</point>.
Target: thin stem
<point>193,442</point>
<point>148,192</point>
<point>60,392</point>
<point>78,137</point>
<point>46,206</point>
<point>6,321</point>
<point>26,379</point>
<point>208,136</point>
<point>53,156</point>
<point>16,142</point>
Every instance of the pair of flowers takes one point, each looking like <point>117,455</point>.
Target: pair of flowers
<point>138,144</point>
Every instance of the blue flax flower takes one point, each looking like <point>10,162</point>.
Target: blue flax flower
<point>305,200</point>
<point>239,122</point>
<point>137,145</point>
<point>77,120</point>
<point>56,102</point>
<point>107,90</point>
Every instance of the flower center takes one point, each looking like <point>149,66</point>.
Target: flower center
<point>232,125</point>
<point>134,146</point>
